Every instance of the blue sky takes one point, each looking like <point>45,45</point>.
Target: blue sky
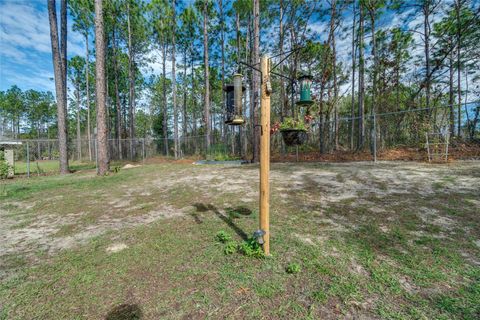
<point>25,49</point>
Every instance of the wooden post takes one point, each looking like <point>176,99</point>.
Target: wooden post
<point>28,160</point>
<point>265,154</point>
<point>374,138</point>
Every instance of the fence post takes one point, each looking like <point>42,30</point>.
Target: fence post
<point>374,138</point>
<point>28,161</point>
<point>96,154</point>
<point>143,150</point>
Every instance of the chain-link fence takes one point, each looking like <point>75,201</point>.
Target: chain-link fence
<point>40,156</point>
<point>387,136</point>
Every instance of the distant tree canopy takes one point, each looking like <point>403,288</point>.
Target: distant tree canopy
<point>361,63</point>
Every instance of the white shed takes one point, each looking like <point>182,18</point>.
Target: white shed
<point>7,146</point>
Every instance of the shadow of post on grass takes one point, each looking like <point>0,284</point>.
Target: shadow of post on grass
<point>201,207</point>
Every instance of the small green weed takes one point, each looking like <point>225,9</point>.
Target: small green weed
<point>230,248</point>
<point>251,248</point>
<point>223,237</point>
<point>320,296</point>
<point>293,268</point>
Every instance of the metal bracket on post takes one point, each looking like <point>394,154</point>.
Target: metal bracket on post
<point>258,236</point>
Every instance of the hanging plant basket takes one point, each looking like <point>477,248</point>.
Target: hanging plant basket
<point>294,137</point>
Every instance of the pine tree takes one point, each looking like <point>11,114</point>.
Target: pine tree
<point>59,67</point>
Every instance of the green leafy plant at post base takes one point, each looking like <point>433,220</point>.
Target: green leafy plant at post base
<point>251,248</point>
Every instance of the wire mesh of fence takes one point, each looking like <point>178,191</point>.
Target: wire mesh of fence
<point>378,132</point>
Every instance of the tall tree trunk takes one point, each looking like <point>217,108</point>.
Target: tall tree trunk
<point>131,83</point>
<point>352,108</point>
<point>207,77</point>
<point>361,80</point>
<point>174,83</point>
<point>426,35</point>
<point>194,100</point>
<point>249,57</point>
<point>334,68</point>
<point>397,79</point>
<point>451,100</point>
<point>60,89</point>
<point>256,79</point>
<point>331,125</point>
<point>283,104</point>
<point>459,68</point>
<point>100,92</point>
<point>222,46</point>
<point>107,99</point>
<point>185,90</point>
<point>63,56</point>
<point>118,108</point>
<point>283,96</point>
<point>373,110</point>
<point>63,43</point>
<point>322,119</point>
<point>164,89</point>
<point>87,88</point>
<point>79,137</point>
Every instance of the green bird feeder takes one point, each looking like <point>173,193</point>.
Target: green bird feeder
<point>305,91</point>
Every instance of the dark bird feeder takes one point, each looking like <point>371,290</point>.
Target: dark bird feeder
<point>233,101</point>
<point>305,90</point>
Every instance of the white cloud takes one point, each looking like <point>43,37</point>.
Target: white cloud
<point>23,26</point>
<point>37,79</point>
<point>25,48</point>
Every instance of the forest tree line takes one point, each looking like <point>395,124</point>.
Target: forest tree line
<point>361,64</point>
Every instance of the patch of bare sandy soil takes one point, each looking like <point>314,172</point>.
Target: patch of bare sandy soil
<point>26,226</point>
<point>24,231</point>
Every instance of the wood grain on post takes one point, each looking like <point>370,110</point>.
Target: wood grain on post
<point>265,156</point>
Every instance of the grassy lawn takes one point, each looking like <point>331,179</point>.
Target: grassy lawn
<point>49,166</point>
<point>390,241</point>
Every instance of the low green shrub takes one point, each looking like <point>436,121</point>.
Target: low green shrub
<point>4,167</point>
<point>251,248</point>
